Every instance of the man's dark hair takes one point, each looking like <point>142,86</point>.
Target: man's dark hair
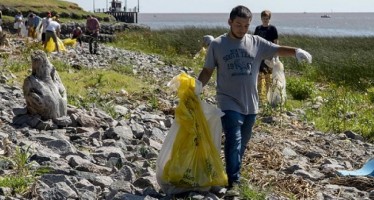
<point>240,11</point>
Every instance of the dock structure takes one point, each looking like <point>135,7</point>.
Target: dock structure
<point>128,17</point>
<point>120,13</point>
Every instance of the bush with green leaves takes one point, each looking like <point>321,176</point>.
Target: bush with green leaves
<point>343,109</point>
<point>370,93</point>
<point>300,88</point>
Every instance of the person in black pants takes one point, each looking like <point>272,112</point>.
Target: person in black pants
<point>270,33</point>
<point>92,30</point>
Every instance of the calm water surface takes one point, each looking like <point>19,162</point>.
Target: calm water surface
<point>339,24</point>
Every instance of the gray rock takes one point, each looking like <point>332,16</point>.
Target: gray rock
<point>43,90</point>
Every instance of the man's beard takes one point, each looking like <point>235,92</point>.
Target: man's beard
<point>234,35</point>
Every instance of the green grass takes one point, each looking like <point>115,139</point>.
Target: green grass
<point>248,192</point>
<point>21,178</point>
<point>334,69</point>
<point>345,62</point>
<point>342,60</point>
<point>344,109</point>
<point>86,87</point>
<point>65,9</point>
<point>17,184</point>
<point>176,47</point>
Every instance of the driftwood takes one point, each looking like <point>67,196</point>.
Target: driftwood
<point>43,90</point>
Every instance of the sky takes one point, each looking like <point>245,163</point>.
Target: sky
<point>225,6</point>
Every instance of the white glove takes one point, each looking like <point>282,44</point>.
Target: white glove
<point>302,55</point>
<point>198,87</point>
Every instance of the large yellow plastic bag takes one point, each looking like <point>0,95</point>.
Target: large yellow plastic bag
<point>69,42</point>
<point>51,47</point>
<point>189,158</point>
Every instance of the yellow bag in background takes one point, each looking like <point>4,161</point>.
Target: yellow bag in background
<point>194,160</point>
<point>51,47</point>
<point>69,42</point>
<point>31,32</point>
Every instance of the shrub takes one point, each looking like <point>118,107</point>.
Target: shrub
<point>371,94</point>
<point>299,88</point>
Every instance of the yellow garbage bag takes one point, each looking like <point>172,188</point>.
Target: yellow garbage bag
<point>194,160</point>
<point>31,32</point>
<point>51,47</point>
<point>69,42</point>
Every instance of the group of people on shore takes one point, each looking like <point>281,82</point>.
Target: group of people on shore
<point>32,25</point>
<point>49,27</point>
<point>35,27</point>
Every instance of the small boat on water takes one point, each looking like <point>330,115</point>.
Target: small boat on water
<point>325,16</point>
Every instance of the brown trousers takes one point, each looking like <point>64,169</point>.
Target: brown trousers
<point>263,85</point>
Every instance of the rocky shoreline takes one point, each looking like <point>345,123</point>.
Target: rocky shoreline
<point>94,156</point>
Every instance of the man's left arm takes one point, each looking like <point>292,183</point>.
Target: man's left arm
<point>300,54</point>
<point>58,30</point>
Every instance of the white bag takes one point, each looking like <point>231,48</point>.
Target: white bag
<point>24,31</point>
<point>277,91</point>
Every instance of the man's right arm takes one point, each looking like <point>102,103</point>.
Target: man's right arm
<point>205,75</point>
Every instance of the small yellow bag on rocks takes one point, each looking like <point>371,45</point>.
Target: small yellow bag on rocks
<point>69,42</point>
<point>51,47</point>
<point>189,158</point>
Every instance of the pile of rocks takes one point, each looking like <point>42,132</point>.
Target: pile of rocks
<point>92,155</point>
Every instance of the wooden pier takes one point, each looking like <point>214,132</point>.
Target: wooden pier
<point>119,13</point>
<point>128,17</point>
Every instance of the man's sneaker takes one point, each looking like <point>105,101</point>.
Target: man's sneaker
<point>218,191</point>
<point>233,191</point>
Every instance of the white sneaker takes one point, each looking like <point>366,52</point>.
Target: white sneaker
<point>233,191</point>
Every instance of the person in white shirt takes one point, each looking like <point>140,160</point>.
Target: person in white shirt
<point>18,22</point>
<point>52,31</point>
<point>45,23</point>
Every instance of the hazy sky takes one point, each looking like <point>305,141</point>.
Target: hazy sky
<point>225,6</point>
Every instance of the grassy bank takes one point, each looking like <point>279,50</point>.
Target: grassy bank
<point>341,75</point>
<point>345,61</point>
<point>342,72</point>
<point>67,10</point>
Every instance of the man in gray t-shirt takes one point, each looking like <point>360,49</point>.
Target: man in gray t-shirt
<point>238,65</point>
<point>237,56</point>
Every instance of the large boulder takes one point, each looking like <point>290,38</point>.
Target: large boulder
<point>43,90</point>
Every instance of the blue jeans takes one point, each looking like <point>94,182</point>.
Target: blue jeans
<point>238,130</point>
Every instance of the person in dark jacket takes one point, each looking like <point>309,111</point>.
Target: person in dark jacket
<point>270,33</point>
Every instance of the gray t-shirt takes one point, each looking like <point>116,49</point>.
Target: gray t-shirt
<point>238,63</point>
